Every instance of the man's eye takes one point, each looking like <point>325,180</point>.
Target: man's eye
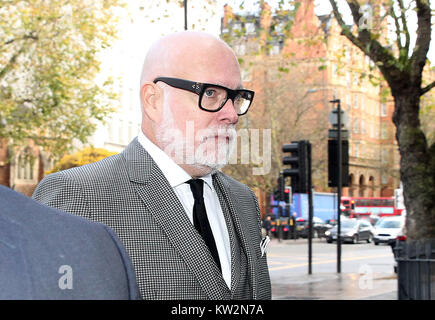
<point>210,93</point>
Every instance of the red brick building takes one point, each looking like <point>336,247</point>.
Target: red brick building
<point>329,65</point>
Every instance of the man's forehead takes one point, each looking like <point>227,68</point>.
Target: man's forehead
<point>226,73</point>
<point>194,56</point>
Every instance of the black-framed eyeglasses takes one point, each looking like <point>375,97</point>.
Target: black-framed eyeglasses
<point>212,97</point>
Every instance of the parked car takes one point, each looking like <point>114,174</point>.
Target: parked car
<point>387,230</point>
<point>352,230</point>
<point>319,227</point>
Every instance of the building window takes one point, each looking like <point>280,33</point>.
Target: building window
<point>384,133</point>
<point>237,27</point>
<point>250,28</point>
<point>29,170</point>
<point>279,28</point>
<point>355,101</point>
<point>383,109</point>
<point>356,125</point>
<point>20,169</point>
<point>384,155</point>
<point>348,103</point>
<point>24,168</point>
<point>355,79</point>
<point>275,49</point>
<point>384,178</point>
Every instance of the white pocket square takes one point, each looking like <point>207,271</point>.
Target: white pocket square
<point>263,245</point>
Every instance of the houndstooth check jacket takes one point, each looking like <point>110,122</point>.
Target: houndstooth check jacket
<point>129,193</point>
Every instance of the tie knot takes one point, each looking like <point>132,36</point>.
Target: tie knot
<point>197,188</point>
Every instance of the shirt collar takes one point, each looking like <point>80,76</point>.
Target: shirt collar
<point>171,170</point>
<point>208,181</point>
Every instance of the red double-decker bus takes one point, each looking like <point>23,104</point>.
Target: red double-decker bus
<point>354,207</point>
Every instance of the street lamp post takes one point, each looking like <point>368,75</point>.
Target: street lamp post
<point>339,183</point>
<point>185,14</point>
<point>310,197</point>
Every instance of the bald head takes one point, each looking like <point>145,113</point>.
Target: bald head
<point>172,114</point>
<point>186,55</point>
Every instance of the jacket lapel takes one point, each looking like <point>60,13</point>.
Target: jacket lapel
<point>161,201</point>
<point>229,201</point>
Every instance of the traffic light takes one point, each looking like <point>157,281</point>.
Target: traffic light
<point>287,194</point>
<point>276,195</point>
<point>298,160</point>
<point>333,164</point>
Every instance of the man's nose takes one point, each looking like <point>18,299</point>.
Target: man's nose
<point>228,113</point>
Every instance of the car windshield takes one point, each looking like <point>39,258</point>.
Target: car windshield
<point>389,224</point>
<point>349,224</point>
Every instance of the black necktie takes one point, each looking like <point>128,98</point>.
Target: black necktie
<point>200,220</point>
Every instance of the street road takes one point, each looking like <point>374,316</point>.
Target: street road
<point>367,270</point>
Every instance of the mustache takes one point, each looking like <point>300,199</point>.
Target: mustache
<point>222,133</point>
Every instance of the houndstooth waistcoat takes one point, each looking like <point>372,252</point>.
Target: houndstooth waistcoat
<point>129,193</point>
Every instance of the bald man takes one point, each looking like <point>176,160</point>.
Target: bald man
<point>191,231</point>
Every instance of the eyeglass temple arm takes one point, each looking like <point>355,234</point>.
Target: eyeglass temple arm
<point>181,84</point>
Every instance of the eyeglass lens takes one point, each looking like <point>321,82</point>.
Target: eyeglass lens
<point>214,97</point>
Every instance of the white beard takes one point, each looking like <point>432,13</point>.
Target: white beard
<point>199,149</point>
<point>215,154</point>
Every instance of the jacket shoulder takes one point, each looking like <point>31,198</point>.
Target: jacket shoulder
<point>103,169</point>
<point>48,239</point>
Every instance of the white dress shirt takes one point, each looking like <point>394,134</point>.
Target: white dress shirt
<point>177,178</point>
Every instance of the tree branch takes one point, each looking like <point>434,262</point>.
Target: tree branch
<point>404,26</point>
<point>30,36</point>
<point>397,25</point>
<point>427,88</point>
<point>10,63</point>
<point>366,41</point>
<point>13,59</point>
<point>345,29</point>
<point>419,56</point>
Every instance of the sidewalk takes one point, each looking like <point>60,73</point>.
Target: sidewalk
<point>345,286</point>
<point>366,272</point>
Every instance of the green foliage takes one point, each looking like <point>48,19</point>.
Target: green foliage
<point>48,64</point>
<point>80,158</point>
<point>322,67</point>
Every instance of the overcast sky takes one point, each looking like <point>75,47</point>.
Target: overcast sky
<point>144,23</point>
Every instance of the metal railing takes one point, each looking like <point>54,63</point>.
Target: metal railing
<point>415,269</point>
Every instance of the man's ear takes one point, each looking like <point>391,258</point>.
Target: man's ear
<point>151,96</point>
